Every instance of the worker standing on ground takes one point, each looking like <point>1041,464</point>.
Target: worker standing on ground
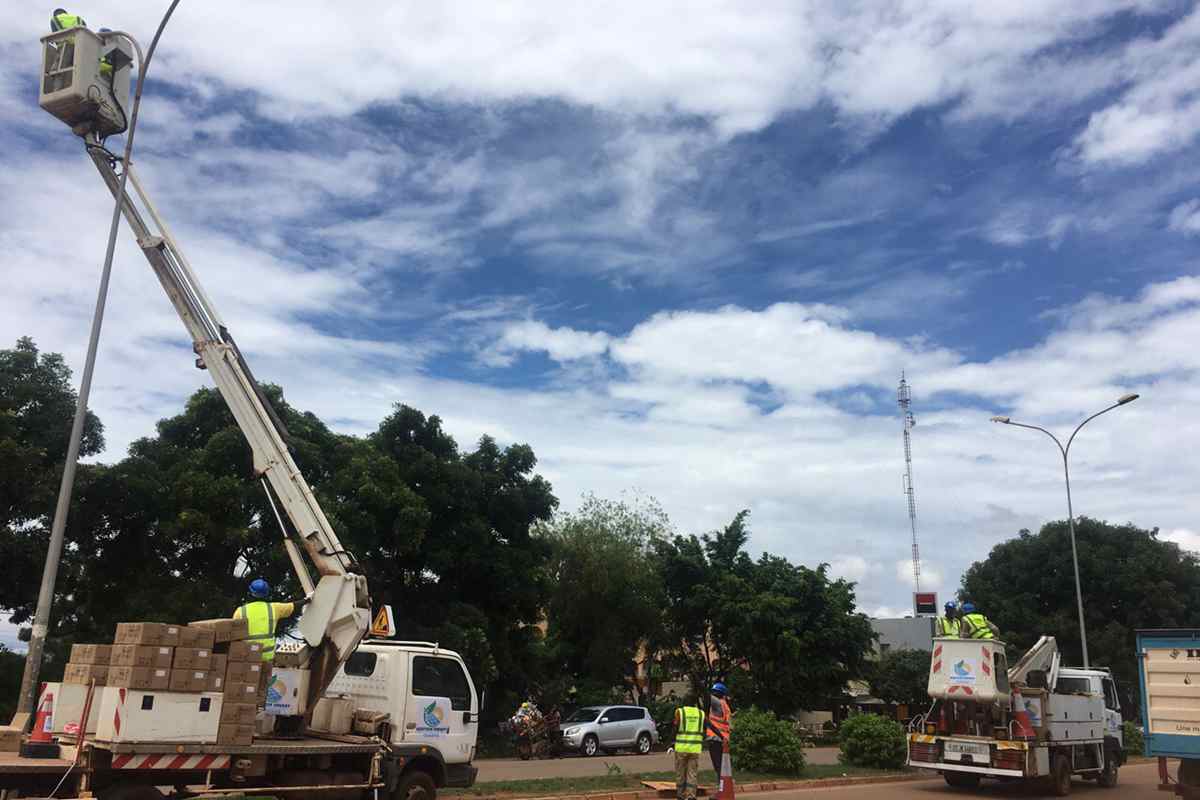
<point>689,741</point>
<point>975,625</point>
<point>717,726</point>
<point>949,625</point>
<point>262,616</point>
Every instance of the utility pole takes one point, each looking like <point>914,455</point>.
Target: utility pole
<point>904,399</point>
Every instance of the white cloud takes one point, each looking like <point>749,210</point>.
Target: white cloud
<point>931,574</point>
<point>1185,218</point>
<point>853,568</point>
<point>1186,538</point>
<point>561,344</point>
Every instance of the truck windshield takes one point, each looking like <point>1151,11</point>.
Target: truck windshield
<point>588,714</point>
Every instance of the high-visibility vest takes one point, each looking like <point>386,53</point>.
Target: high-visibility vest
<point>947,627</point>
<point>66,21</point>
<point>717,724</point>
<point>260,623</point>
<point>689,739</point>
<point>977,626</point>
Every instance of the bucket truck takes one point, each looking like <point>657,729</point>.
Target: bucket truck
<point>419,698</point>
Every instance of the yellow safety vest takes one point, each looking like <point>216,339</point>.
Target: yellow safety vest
<point>977,626</point>
<point>947,627</point>
<point>690,738</point>
<point>260,622</point>
<point>66,21</point>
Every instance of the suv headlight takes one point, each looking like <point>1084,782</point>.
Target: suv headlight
<point>571,731</point>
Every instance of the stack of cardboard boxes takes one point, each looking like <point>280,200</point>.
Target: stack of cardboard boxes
<point>210,658</point>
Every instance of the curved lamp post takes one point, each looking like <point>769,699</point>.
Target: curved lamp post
<point>41,617</point>
<point>1123,400</point>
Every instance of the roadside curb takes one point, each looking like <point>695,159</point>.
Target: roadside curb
<point>749,788</point>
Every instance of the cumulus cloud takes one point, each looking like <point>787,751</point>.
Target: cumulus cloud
<point>560,344</point>
<point>1185,218</point>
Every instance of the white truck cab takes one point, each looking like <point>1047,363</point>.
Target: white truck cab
<point>430,698</point>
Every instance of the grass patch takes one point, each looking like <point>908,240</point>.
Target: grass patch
<point>633,781</point>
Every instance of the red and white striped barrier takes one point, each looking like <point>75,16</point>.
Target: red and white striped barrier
<point>171,761</point>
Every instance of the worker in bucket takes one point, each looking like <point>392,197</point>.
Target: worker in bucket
<point>717,725</point>
<point>975,625</point>
<point>949,625</point>
<point>262,616</point>
<point>60,20</point>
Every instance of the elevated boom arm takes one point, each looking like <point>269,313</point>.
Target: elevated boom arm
<point>339,613</point>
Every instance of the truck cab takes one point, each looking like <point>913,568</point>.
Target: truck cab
<point>430,699</point>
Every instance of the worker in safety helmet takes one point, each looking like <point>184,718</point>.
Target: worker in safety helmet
<point>975,625</point>
<point>262,616</point>
<point>60,20</point>
<point>950,624</point>
<point>717,724</point>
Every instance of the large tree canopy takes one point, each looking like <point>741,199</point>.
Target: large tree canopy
<point>1131,579</point>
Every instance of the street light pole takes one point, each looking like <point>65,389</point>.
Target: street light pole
<point>1065,451</point>
<point>41,618</point>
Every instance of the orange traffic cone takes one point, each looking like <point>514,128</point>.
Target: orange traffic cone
<point>41,744</point>
<point>1022,724</point>
<point>725,789</point>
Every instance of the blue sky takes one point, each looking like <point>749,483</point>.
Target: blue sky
<point>683,251</point>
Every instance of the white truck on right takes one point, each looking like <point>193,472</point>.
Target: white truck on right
<point>1036,721</point>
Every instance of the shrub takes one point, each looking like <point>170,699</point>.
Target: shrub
<point>1134,744</point>
<point>760,742</point>
<point>869,740</point>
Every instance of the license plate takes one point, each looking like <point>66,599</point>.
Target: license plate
<point>955,750</point>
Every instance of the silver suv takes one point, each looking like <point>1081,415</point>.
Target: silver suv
<point>592,729</point>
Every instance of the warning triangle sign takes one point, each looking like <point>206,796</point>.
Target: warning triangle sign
<point>384,624</point>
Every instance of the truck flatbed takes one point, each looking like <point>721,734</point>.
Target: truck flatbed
<point>15,764</point>
<point>309,745</point>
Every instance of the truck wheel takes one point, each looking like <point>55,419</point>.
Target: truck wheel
<point>416,785</point>
<point>591,745</point>
<point>962,780</point>
<point>1108,776</point>
<point>1060,775</point>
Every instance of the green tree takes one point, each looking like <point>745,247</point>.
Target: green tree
<point>37,404</point>
<point>784,636</point>
<point>1131,579</point>
<point>607,596</point>
<point>901,676</point>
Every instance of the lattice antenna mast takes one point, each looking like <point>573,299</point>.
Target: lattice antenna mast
<point>904,399</point>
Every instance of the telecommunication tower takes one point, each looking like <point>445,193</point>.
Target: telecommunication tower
<point>904,399</point>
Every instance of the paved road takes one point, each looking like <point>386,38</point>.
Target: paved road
<point>1137,782</point>
<point>512,769</point>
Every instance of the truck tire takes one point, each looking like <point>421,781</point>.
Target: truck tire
<point>962,780</point>
<point>1060,775</point>
<point>415,785</point>
<point>130,791</point>
<point>1112,764</point>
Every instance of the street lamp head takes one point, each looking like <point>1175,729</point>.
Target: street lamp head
<point>1127,398</point>
<point>1004,420</point>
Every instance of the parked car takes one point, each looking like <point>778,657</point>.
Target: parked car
<point>593,729</point>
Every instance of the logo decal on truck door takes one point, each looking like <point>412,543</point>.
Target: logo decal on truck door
<point>434,716</point>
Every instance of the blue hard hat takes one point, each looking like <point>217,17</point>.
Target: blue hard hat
<point>968,608</point>
<point>259,588</point>
<point>719,689</point>
<point>952,605</point>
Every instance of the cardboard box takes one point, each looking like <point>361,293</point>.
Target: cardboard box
<point>154,678</point>
<point>216,681</point>
<point>196,637</point>
<point>219,663</point>
<point>158,633</point>
<point>245,651</point>
<point>10,740</point>
<point>290,659</point>
<point>192,658</point>
<point>238,713</point>
<point>189,680</point>
<point>83,673</point>
<point>244,671</point>
<point>368,722</point>
<point>142,655</point>
<point>241,692</point>
<point>135,715</point>
<point>90,653</point>
<point>224,630</point>
<point>235,734</point>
